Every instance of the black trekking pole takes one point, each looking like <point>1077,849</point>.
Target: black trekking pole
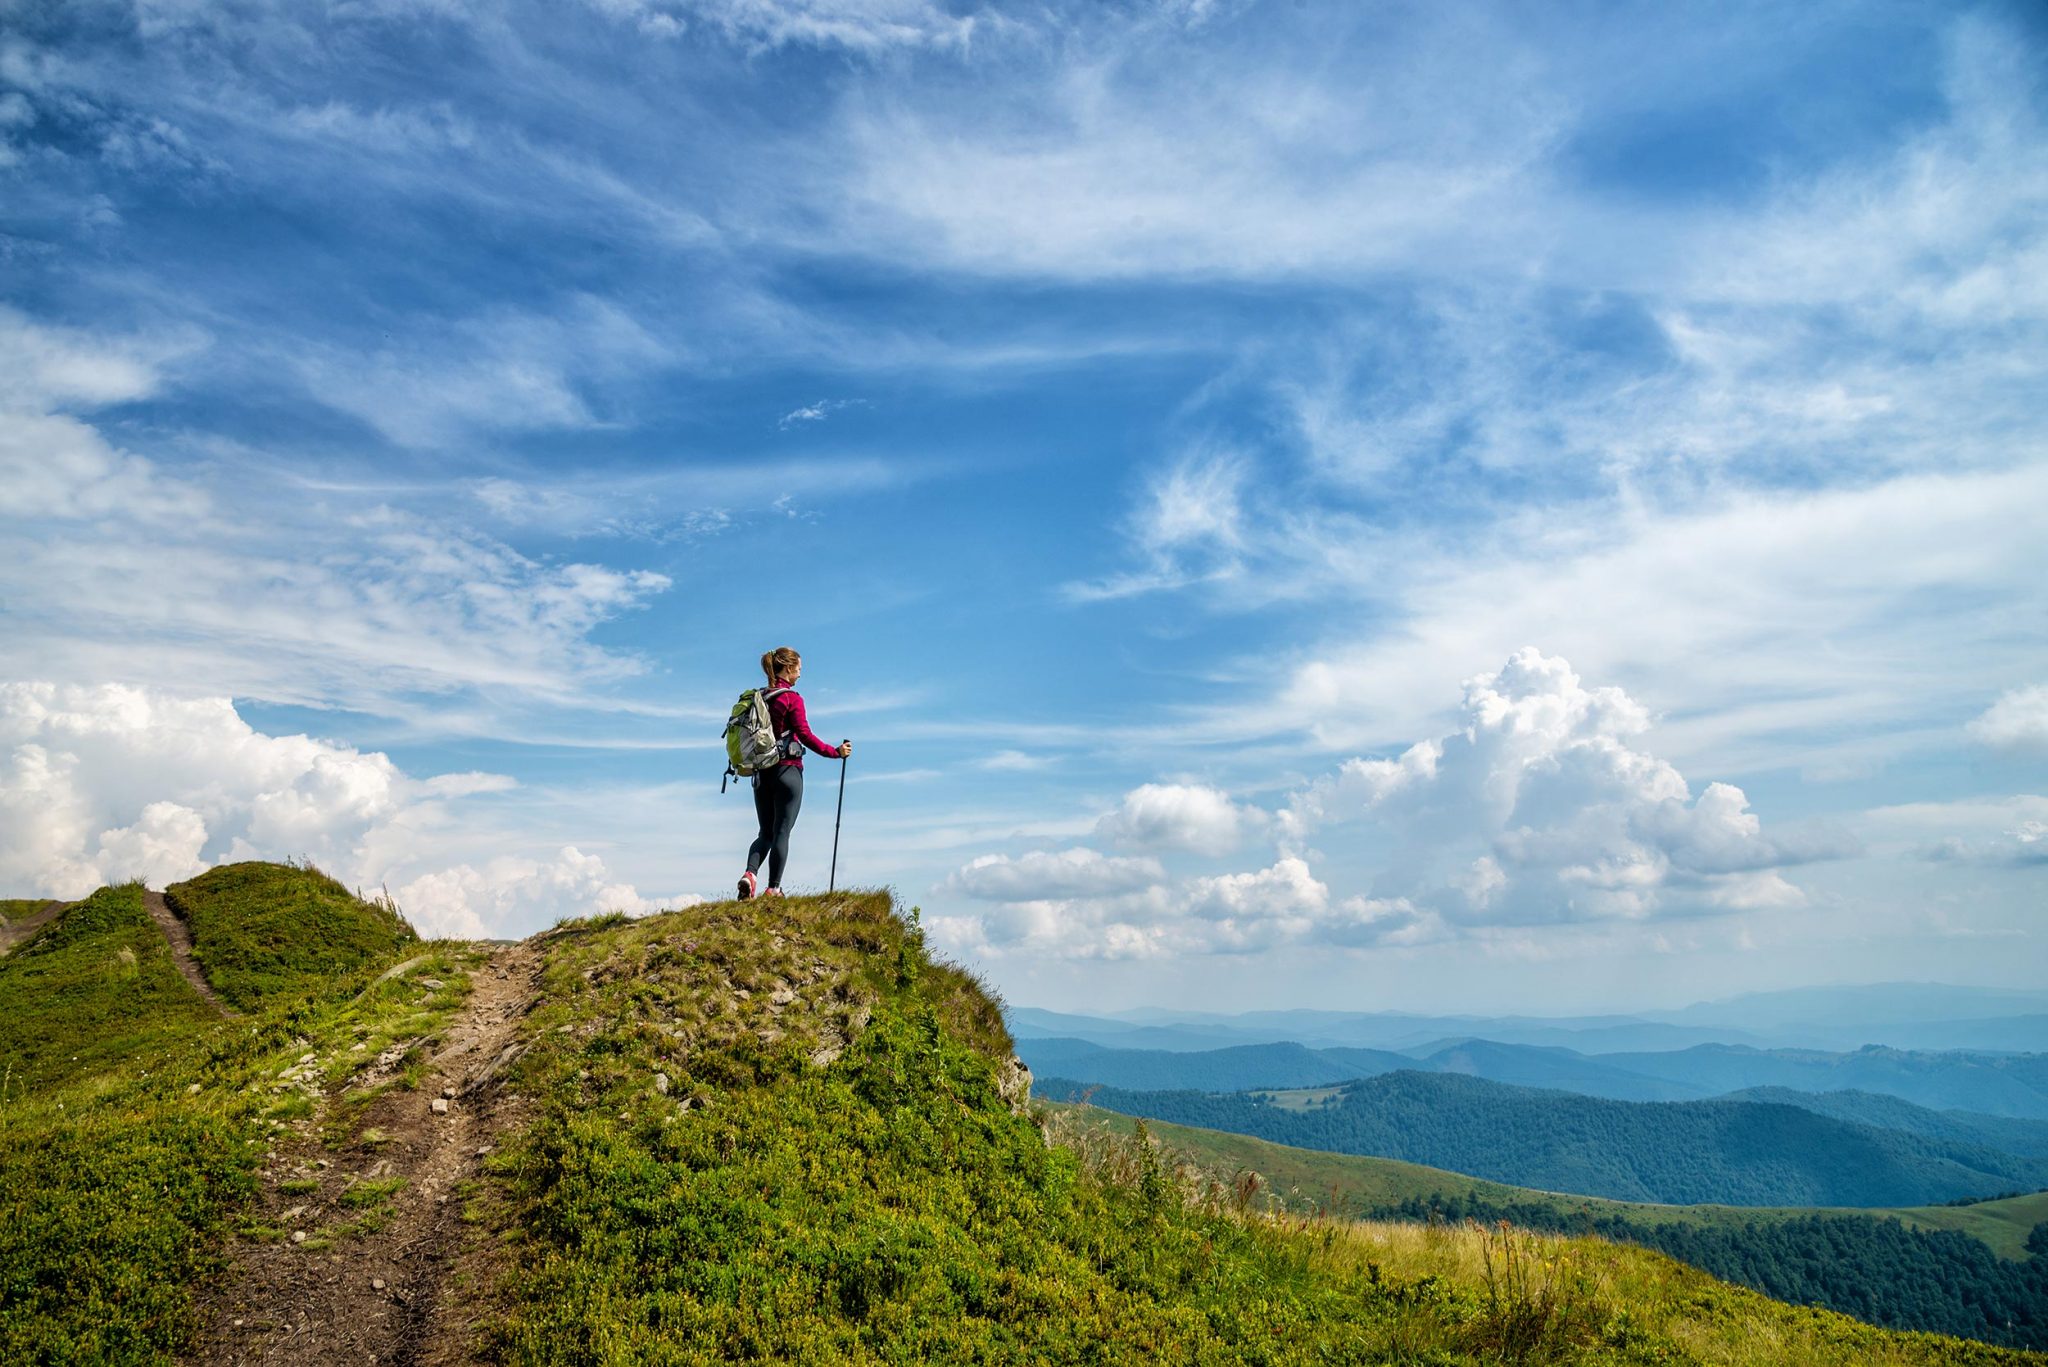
<point>832,879</point>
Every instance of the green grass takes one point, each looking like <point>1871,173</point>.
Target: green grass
<point>135,1117</point>
<point>1349,1184</point>
<point>769,1131</point>
<point>96,987</point>
<point>14,908</point>
<point>1301,1098</point>
<point>263,930</point>
<point>890,1207</point>
<point>2002,1224</point>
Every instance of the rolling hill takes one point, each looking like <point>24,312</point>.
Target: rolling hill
<point>1959,1269</point>
<point>2026,1138</point>
<point>1727,1152</point>
<point>2014,1085</point>
<point>776,1132</point>
<point>1997,1086</point>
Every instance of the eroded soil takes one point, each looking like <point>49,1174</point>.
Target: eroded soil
<point>359,1254</point>
<point>22,928</point>
<point>181,948</point>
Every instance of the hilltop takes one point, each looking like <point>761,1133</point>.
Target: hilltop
<point>771,1130</point>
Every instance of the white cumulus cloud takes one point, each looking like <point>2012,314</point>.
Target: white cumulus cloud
<point>511,891</point>
<point>2017,721</point>
<point>102,783</point>
<point>1544,808</point>
<point>1179,816</point>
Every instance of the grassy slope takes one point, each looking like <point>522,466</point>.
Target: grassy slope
<point>97,986</point>
<point>12,908</point>
<point>2002,1224</point>
<point>701,1185</point>
<point>1342,1182</point>
<point>134,1119</point>
<point>697,1189</point>
<point>260,930</point>
<point>1682,1152</point>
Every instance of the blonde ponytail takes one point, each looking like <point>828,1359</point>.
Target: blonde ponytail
<point>778,663</point>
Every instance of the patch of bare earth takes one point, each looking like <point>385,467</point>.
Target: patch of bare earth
<point>22,929</point>
<point>181,948</point>
<point>329,1285</point>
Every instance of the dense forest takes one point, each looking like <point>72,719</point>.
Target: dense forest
<point>1875,1269</point>
<point>2027,1138</point>
<point>1683,1153</point>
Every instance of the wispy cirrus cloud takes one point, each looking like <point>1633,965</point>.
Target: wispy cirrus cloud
<point>119,569</point>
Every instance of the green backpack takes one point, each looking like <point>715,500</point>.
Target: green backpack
<point>750,744</point>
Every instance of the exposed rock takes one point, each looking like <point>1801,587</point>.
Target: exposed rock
<point>661,1083</point>
<point>440,1105</point>
<point>1013,1082</point>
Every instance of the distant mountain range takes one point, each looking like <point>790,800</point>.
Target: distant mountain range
<point>1731,1152</point>
<point>1901,1015</point>
<point>2013,1086</point>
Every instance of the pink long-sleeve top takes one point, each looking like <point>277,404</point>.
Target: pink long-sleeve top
<point>786,714</point>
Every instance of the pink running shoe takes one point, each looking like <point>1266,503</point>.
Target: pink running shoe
<point>746,885</point>
<point>773,892</point>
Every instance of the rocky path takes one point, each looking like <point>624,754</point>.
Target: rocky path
<point>181,948</point>
<point>19,930</point>
<point>330,1291</point>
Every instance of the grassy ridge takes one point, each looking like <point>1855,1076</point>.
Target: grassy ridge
<point>263,930</point>
<point>779,1131</point>
<point>711,1178</point>
<point>135,1117</point>
<point>2004,1225</point>
<point>1349,1184</point>
<point>98,986</point>
<point>14,908</point>
<point>1865,1263</point>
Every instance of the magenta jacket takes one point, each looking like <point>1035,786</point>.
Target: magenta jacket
<point>786,713</point>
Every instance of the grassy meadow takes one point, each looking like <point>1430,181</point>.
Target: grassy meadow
<point>135,1116</point>
<point>776,1131</point>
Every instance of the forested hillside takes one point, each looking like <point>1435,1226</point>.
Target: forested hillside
<point>1896,1268</point>
<point>1728,1152</point>
<point>2028,1138</point>
<point>1993,1084</point>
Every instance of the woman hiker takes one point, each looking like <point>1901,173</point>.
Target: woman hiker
<point>779,791</point>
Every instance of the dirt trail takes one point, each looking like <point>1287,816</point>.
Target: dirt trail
<point>181,948</point>
<point>393,1294</point>
<point>22,928</point>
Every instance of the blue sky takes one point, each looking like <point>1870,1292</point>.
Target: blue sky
<point>1344,505</point>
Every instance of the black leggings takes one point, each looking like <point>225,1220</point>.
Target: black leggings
<point>778,792</point>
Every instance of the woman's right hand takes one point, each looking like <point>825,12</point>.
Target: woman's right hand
<point>845,748</point>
